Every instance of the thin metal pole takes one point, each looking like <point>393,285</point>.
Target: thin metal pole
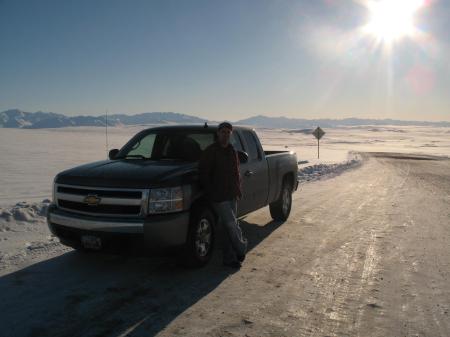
<point>106,128</point>
<point>318,148</point>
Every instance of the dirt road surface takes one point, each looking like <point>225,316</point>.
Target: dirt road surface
<point>366,253</point>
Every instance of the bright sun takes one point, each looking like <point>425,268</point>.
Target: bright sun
<point>392,19</point>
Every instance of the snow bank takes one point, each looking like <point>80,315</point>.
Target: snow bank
<point>24,235</point>
<point>25,212</point>
<point>321,171</point>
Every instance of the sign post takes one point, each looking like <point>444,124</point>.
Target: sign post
<point>318,133</point>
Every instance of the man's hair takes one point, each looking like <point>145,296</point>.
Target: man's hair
<point>226,125</point>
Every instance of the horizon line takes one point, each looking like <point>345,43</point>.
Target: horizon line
<point>254,116</point>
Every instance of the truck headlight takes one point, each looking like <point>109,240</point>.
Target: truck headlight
<point>165,200</point>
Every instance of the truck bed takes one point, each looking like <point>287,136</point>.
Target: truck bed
<point>278,162</point>
<point>271,153</point>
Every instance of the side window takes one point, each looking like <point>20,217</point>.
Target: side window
<point>235,140</point>
<point>185,146</point>
<point>253,152</point>
<point>144,147</point>
<point>203,139</point>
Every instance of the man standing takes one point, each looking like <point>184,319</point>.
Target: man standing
<point>219,176</point>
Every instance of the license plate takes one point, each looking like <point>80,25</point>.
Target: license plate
<point>91,242</point>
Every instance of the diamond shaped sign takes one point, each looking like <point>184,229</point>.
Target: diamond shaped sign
<point>318,133</point>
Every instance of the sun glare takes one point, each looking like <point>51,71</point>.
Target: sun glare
<point>392,19</point>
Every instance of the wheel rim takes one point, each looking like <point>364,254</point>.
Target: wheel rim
<point>286,201</point>
<point>203,237</point>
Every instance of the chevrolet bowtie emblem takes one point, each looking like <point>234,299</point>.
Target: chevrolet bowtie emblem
<point>92,200</point>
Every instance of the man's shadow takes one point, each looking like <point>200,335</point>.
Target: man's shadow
<point>78,294</point>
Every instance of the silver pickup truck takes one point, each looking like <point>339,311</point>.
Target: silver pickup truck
<point>148,193</point>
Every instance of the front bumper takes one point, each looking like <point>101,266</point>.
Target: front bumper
<point>153,232</point>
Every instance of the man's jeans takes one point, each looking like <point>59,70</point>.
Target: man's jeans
<point>234,243</point>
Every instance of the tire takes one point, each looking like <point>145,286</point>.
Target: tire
<point>200,240</point>
<point>281,208</point>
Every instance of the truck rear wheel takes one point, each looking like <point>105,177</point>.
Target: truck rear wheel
<point>200,241</point>
<point>281,208</point>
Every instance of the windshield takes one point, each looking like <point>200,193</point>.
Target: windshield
<point>160,145</point>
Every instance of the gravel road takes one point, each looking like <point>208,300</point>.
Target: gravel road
<point>366,253</point>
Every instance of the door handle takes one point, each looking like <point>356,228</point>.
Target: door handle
<point>249,173</point>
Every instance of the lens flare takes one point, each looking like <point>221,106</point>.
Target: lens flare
<point>392,19</point>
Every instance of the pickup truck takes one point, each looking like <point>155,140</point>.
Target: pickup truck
<point>148,193</point>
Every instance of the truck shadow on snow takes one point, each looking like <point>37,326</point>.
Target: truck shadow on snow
<point>79,294</point>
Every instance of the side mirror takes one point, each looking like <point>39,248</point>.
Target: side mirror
<point>113,153</point>
<point>243,156</point>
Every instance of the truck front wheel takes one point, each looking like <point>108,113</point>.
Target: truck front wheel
<point>281,208</point>
<point>200,241</point>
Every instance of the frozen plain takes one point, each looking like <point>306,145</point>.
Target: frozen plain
<point>33,157</point>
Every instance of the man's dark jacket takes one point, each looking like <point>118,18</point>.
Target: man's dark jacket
<point>219,173</point>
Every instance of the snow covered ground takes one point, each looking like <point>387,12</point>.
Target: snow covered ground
<point>338,142</point>
<point>31,158</point>
<point>339,147</point>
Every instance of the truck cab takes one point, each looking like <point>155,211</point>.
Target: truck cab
<point>148,193</point>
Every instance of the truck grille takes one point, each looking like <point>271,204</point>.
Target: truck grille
<point>102,201</point>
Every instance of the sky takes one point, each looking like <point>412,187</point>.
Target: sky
<point>223,59</point>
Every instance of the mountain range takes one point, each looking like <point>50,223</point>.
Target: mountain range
<point>294,123</point>
<point>15,118</point>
